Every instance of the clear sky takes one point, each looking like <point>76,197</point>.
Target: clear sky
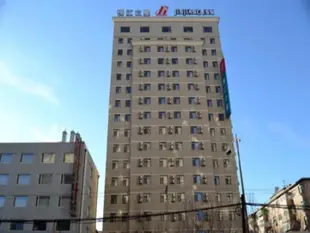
<point>55,73</point>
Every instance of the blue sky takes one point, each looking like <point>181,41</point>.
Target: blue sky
<point>55,74</point>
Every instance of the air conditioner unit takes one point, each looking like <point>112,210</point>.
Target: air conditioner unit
<point>141,75</point>
<point>201,146</point>
<point>173,197</point>
<point>141,49</point>
<point>168,74</point>
<point>140,163</point>
<point>171,146</point>
<point>141,61</point>
<point>169,100</point>
<point>205,197</point>
<point>141,115</point>
<point>172,179</point>
<point>140,130</point>
<point>169,87</point>
<point>140,180</point>
<point>140,146</point>
<point>170,130</point>
<point>167,49</point>
<point>141,87</point>
<point>140,198</point>
<point>201,130</point>
<point>203,162</point>
<point>170,115</point>
<point>140,100</point>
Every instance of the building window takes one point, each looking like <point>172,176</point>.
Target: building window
<point>125,29</point>
<point>188,29</point>
<point>45,178</point>
<point>213,52</point>
<point>66,179</point>
<point>48,158</point>
<point>119,52</point>
<point>166,29</point>
<point>20,201</point>
<point>196,162</point>
<point>69,158</point>
<point>113,199</point>
<point>27,158</point>
<point>4,179</point>
<point>2,201</point>
<point>221,117</point>
<point>17,226</point>
<point>120,40</point>
<point>228,180</point>
<point>63,225</point>
<point>6,158</point>
<point>216,180</point>
<point>43,201</point>
<point>117,118</point>
<point>212,41</point>
<point>207,29</point>
<point>64,201</point>
<point>144,29</point>
<point>23,179</point>
<point>39,225</point>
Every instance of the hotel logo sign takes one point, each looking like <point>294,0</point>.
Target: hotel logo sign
<point>163,11</point>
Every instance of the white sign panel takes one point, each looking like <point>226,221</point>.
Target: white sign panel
<point>133,13</point>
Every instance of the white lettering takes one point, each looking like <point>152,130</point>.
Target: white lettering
<point>129,12</point>
<point>146,13</point>
<point>120,12</point>
<point>138,13</point>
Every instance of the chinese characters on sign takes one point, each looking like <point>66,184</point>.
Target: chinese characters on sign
<point>225,88</point>
<point>194,12</point>
<point>130,13</point>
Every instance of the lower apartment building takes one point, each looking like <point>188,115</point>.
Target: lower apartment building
<point>45,181</point>
<point>287,210</point>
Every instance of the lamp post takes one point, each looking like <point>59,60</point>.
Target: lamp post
<point>243,202</point>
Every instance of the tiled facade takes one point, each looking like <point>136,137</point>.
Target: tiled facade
<point>168,132</point>
<point>277,217</point>
<point>36,183</point>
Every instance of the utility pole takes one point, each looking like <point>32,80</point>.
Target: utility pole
<point>244,214</point>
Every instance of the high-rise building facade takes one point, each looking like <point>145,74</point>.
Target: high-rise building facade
<point>47,181</point>
<point>168,131</point>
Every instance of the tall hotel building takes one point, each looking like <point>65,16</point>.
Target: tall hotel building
<point>168,129</point>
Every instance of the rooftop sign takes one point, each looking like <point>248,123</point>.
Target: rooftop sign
<point>193,12</point>
<point>163,11</point>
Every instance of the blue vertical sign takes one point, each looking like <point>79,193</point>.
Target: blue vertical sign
<point>225,89</point>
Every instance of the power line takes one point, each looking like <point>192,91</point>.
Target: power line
<point>122,218</point>
<point>149,215</point>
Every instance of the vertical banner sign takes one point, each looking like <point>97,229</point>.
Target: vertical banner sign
<point>225,88</point>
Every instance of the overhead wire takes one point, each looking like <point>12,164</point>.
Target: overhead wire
<point>149,215</point>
